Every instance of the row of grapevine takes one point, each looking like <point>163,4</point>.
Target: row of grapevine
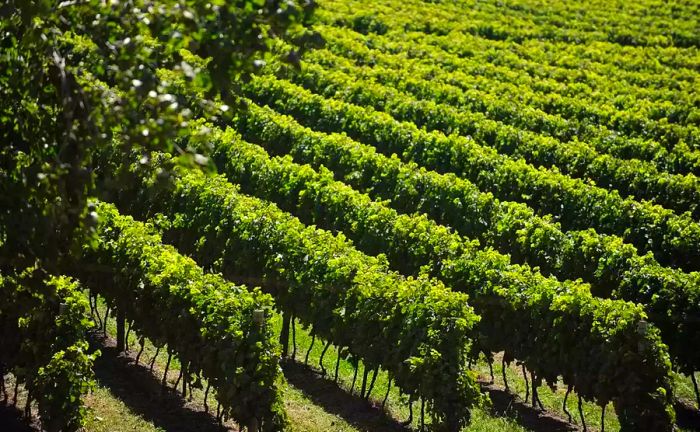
<point>627,95</point>
<point>635,114</point>
<point>351,54</point>
<point>632,25</point>
<point>581,80</point>
<point>650,60</point>
<point>43,324</point>
<point>208,323</point>
<point>635,178</point>
<point>673,239</point>
<point>614,268</point>
<point>416,329</point>
<point>586,340</point>
<point>395,23</point>
<point>525,57</point>
<point>504,101</point>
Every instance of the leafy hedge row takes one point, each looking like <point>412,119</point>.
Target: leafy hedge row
<point>639,179</point>
<point>527,23</point>
<point>671,298</point>
<point>595,348</point>
<point>564,69</point>
<point>674,239</point>
<point>600,56</point>
<point>351,55</point>
<point>399,23</point>
<point>660,114</point>
<point>517,105</point>
<point>43,325</point>
<point>209,323</point>
<point>671,132</point>
<point>416,329</point>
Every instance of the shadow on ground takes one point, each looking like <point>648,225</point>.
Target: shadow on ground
<point>327,394</point>
<point>12,420</point>
<point>141,391</point>
<point>507,404</point>
<point>687,415</point>
<point>367,417</point>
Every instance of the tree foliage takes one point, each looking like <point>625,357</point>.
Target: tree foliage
<point>78,75</point>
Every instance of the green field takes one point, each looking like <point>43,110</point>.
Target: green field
<point>474,215</point>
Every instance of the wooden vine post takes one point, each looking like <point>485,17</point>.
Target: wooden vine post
<point>252,425</point>
<point>259,320</point>
<point>284,335</point>
<point>121,340</point>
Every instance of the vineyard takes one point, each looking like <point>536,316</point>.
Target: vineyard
<point>389,215</point>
